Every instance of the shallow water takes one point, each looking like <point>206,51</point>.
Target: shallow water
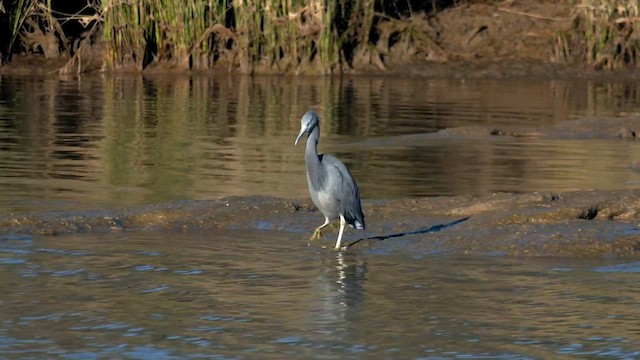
<point>103,143</point>
<point>239,294</point>
<point>122,141</point>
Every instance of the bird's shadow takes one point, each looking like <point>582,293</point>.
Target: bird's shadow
<point>431,229</point>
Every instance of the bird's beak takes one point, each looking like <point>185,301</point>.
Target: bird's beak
<point>302,131</point>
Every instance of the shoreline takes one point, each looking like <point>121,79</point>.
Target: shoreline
<point>538,70</point>
<point>577,224</point>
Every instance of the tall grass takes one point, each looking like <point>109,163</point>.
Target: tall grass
<point>603,34</point>
<point>125,30</point>
<point>175,31</point>
<point>295,36</point>
<point>300,36</point>
<point>18,12</point>
<point>286,35</point>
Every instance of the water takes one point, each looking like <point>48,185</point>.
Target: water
<point>99,142</point>
<point>238,294</point>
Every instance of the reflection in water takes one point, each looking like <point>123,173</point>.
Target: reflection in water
<point>104,141</point>
<point>339,295</point>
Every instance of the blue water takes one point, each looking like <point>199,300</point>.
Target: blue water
<point>265,294</point>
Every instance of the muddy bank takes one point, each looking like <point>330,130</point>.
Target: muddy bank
<point>455,69</point>
<point>575,224</point>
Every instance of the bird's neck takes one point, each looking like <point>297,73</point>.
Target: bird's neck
<point>311,153</point>
<point>312,142</point>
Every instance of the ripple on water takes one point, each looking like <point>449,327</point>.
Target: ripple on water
<point>11,261</point>
<point>16,251</point>
<point>633,267</point>
<point>16,237</point>
<point>297,303</point>
<point>189,272</point>
<point>68,272</point>
<point>149,352</point>
<point>15,246</point>
<point>224,318</point>
<point>156,289</point>
<point>63,252</point>
<point>151,253</point>
<point>208,329</point>
<point>149,268</point>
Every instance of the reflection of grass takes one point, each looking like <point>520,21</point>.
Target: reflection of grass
<point>148,137</point>
<point>183,138</point>
<point>151,140</point>
<point>122,148</point>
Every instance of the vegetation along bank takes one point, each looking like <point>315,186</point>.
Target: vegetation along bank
<point>314,36</point>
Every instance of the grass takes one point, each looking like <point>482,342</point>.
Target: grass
<point>19,11</point>
<point>298,36</point>
<point>604,34</point>
<point>282,35</point>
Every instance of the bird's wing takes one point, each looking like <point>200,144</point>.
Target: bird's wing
<point>346,189</point>
<point>342,179</point>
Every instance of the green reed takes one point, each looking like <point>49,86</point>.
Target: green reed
<point>18,11</point>
<point>124,30</point>
<point>301,36</point>
<point>266,34</point>
<point>603,33</point>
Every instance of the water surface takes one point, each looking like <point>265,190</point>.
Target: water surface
<point>239,294</point>
<point>100,141</point>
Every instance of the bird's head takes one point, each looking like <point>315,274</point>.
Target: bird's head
<point>308,122</point>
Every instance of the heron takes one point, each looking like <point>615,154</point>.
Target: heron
<point>331,186</point>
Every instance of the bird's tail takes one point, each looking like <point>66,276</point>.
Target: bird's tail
<point>355,220</point>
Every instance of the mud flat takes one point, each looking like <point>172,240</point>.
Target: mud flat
<point>575,224</point>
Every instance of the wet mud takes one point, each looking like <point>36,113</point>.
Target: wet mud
<point>575,224</point>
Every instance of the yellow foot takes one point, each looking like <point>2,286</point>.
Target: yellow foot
<point>341,248</point>
<point>316,235</point>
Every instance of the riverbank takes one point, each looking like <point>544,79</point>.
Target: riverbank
<point>465,40</point>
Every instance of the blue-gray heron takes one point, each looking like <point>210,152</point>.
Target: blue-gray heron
<point>331,186</point>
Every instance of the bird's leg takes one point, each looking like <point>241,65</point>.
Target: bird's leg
<point>343,223</point>
<point>317,234</point>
